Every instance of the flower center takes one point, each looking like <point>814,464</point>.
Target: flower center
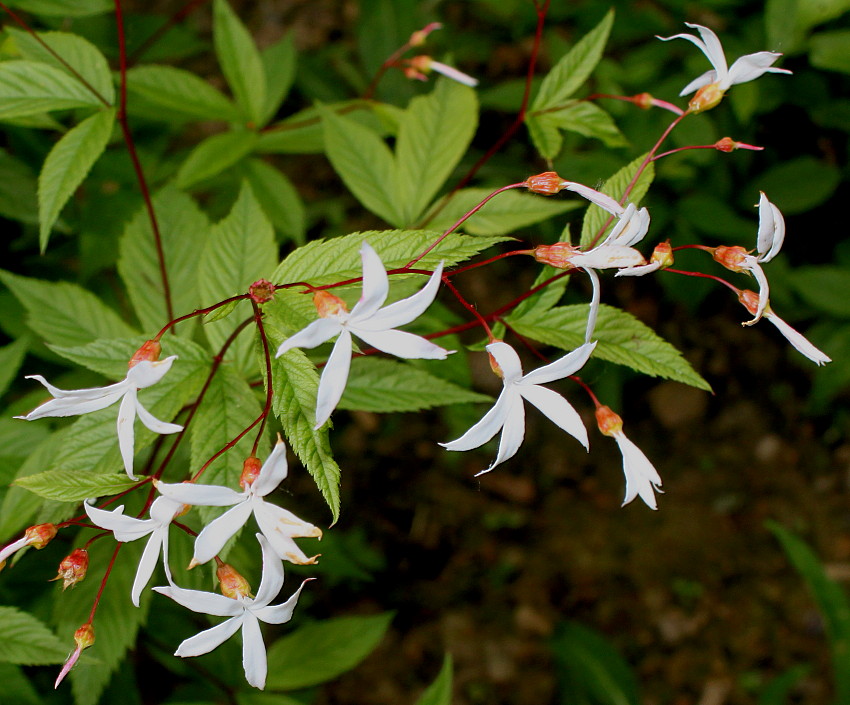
<point>328,305</point>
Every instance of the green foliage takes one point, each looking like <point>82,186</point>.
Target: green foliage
<point>74,485</point>
<point>29,88</point>
<point>440,691</point>
<point>214,155</point>
<point>27,641</point>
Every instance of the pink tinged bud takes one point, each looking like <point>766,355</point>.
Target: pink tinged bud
<point>750,300</point>
<point>643,100</point>
<point>547,183</point>
<point>261,291</point>
<point>733,258</point>
<point>250,472</point>
<point>149,352</point>
<point>610,423</point>
<point>328,305</point>
<point>414,75</point>
<point>706,98</point>
<point>83,638</point>
<point>232,584</point>
<point>662,255</point>
<point>40,535</point>
<point>73,568</point>
<point>417,39</point>
<point>727,144</point>
<point>557,255</point>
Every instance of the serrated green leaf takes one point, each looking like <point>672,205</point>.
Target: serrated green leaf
<point>295,382</point>
<point>320,652</point>
<point>385,386</point>
<point>279,61</point>
<point>64,8</point>
<point>183,228</point>
<point>440,691</point>
<point>545,135</point>
<point>11,357</point>
<point>31,88</point>
<point>505,213</point>
<point>279,199</point>
<point>168,93</point>
<point>81,318</point>
<point>67,164</point>
<point>214,155</point>
<point>622,339</point>
<point>615,187</point>
<point>364,163</point>
<point>591,121</point>
<point>240,61</point>
<point>79,56</point>
<point>434,134</point>
<point>74,485</point>
<point>574,68</point>
<point>221,312</point>
<point>27,641</point>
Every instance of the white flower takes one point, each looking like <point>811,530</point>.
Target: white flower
<point>124,528</point>
<point>37,536</point>
<point>508,414</point>
<point>245,613</point>
<point>745,69</point>
<point>641,476</point>
<point>419,66</point>
<point>83,401</point>
<point>278,525</point>
<point>369,322</point>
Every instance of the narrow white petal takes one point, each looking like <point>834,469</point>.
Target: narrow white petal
<point>146,373</point>
<point>453,73</point>
<point>797,339</point>
<point>84,394</point>
<point>201,495</point>
<point>751,66</point>
<point>279,614</point>
<point>315,334</point>
<point>203,602</point>
<point>638,271</point>
<point>279,526</point>
<point>13,547</point>
<point>593,308</point>
<point>402,344</point>
<point>600,199</point>
<point>215,534</point>
<point>126,432</point>
<point>272,580</point>
<point>513,433</point>
<point>642,478</point>
<point>771,232</point>
<point>559,411</point>
<point>123,527</point>
<point>507,360</point>
<point>209,639</point>
<point>71,406</point>
<point>334,378</point>
<point>607,257</point>
<point>376,285</point>
<point>712,49</point>
<point>487,427</point>
<point>147,564</point>
<point>153,423</point>
<point>253,652</point>
<point>406,310</point>
<point>163,510</point>
<point>273,471</point>
<point>563,367</point>
<point>764,288</point>
<point>705,79</point>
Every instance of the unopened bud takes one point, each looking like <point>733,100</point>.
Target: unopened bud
<point>733,258</point>
<point>328,305</point>
<point>148,352</point>
<point>73,568</point>
<point>547,183</point>
<point>750,300</point>
<point>662,255</point>
<point>609,422</point>
<point>417,39</point>
<point>261,291</point>
<point>232,584</point>
<point>83,638</point>
<point>250,472</point>
<point>706,98</point>
<point>557,255</point>
<point>40,535</point>
<point>727,144</point>
<point>643,100</point>
<point>414,75</point>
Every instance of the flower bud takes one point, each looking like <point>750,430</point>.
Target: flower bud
<point>232,584</point>
<point>414,75</point>
<point>643,100</point>
<point>547,183</point>
<point>662,255</point>
<point>706,98</point>
<point>83,638</point>
<point>250,471</point>
<point>733,258</point>
<point>261,291</point>
<point>609,422</point>
<point>417,39</point>
<point>557,255</point>
<point>497,370</point>
<point>148,352</point>
<point>750,300</point>
<point>73,568</point>
<point>40,535</point>
<point>328,305</point>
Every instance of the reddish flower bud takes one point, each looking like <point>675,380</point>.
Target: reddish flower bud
<point>547,183</point>
<point>706,98</point>
<point>733,258</point>
<point>609,422</point>
<point>73,568</point>
<point>40,535</point>
<point>417,39</point>
<point>250,471</point>
<point>232,584</point>
<point>663,255</point>
<point>148,352</point>
<point>261,291</point>
<point>750,300</point>
<point>727,144</point>
<point>497,370</point>
<point>643,100</point>
<point>83,638</point>
<point>557,255</point>
<point>328,305</point>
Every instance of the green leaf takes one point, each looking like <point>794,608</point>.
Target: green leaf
<point>545,135</point>
<point>295,383</point>
<point>18,190</point>
<point>30,88</point>
<point>279,199</point>
<point>797,185</point>
<point>591,121</point>
<point>183,228</point>
<point>64,8</point>
<point>80,318</point>
<point>214,155</point>
<point>17,687</point>
<point>27,641</point>
<point>622,339</point>
<point>831,601</point>
<point>67,165</point>
<point>11,357</point>
<point>322,651</point>
<point>831,51</point>
<point>365,164</point>
<point>74,485</point>
<point>615,187</point>
<point>240,61</point>
<point>167,93</point>
<point>279,61</point>
<point>440,691</point>
<point>817,286</point>
<point>505,213</point>
<point>79,56</point>
<point>574,68</point>
<point>434,134</point>
<point>384,386</point>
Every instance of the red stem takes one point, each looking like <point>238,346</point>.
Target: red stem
<point>200,312</point>
<point>469,307</point>
<point>103,581</point>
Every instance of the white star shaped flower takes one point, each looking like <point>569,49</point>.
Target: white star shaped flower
<point>369,322</point>
<point>508,414</point>
<point>124,528</point>
<point>278,525</point>
<point>83,401</point>
<point>715,82</point>
<point>245,613</point>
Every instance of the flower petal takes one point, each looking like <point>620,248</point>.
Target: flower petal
<point>638,271</point>
<point>406,310</point>
<point>280,526</point>
<point>764,288</point>
<point>607,257</point>
<point>712,48</point>
<point>318,332</point>
<point>253,652</point>
<point>376,284</point>
<point>146,373</point>
<point>452,73</point>
<point>84,394</point>
<point>641,476</point>
<point>278,614</point>
<point>771,233</point>
<point>13,547</point>
<point>334,378</point>
<point>147,564</point>
<point>126,432</point>
<point>215,534</point>
<point>751,66</point>
<point>273,471</point>
<point>513,432</point>
<point>797,339</point>
<point>487,427</point>
<point>163,510</point>
<point>705,79</point>
<point>602,200</point>
<point>272,580</point>
<point>559,411</point>
<point>568,365</point>
<point>209,639</point>
<point>203,603</point>
<point>402,344</point>
<point>123,527</point>
<point>507,360</point>
<point>153,423</point>
<point>72,406</point>
<point>201,495</point>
